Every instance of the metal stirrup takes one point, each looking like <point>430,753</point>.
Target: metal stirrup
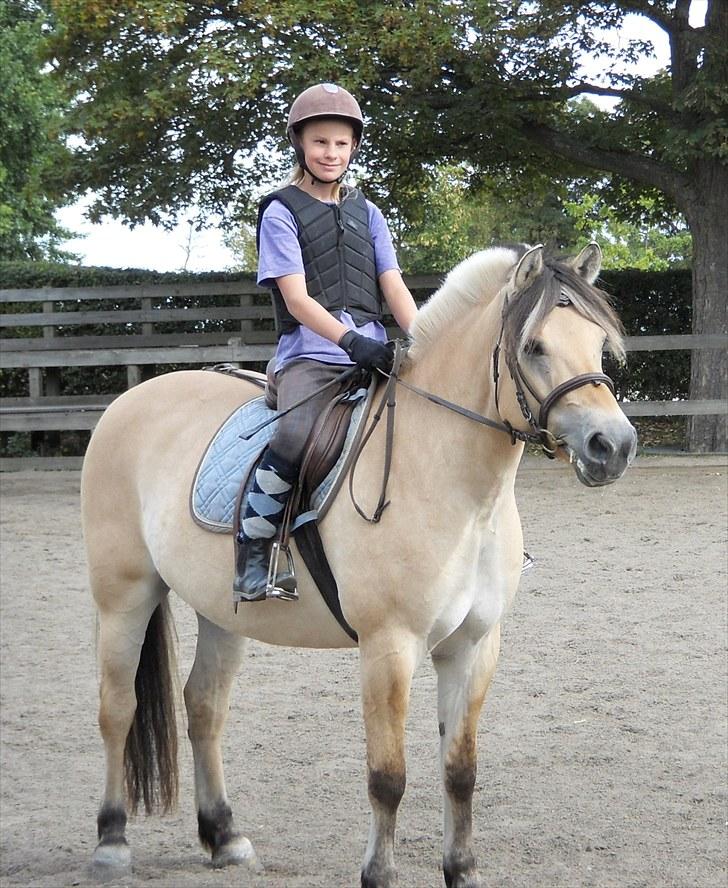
<point>271,590</point>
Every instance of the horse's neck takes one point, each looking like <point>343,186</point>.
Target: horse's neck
<point>458,365</point>
<point>459,368</point>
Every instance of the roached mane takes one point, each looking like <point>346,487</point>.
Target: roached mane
<point>483,275</point>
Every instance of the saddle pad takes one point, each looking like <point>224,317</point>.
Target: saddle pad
<point>229,459</point>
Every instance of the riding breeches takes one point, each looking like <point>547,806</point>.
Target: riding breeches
<point>295,381</point>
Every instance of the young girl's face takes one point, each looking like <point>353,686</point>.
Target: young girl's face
<point>327,146</point>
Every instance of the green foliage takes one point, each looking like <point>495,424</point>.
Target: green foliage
<point>174,99</point>
<point>241,244</point>
<point>652,303</point>
<point>458,214</point>
<point>631,245</point>
<point>32,156</point>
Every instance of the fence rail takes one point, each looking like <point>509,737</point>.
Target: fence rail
<point>45,331</point>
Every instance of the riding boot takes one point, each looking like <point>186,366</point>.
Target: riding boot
<point>264,504</point>
<point>252,564</point>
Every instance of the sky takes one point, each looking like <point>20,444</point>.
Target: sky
<point>113,244</point>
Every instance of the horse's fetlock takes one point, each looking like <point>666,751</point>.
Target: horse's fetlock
<point>460,781</point>
<point>111,824</point>
<point>215,826</point>
<point>387,787</point>
<point>376,876</point>
<point>459,868</point>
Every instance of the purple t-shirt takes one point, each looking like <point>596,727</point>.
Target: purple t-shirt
<point>280,254</point>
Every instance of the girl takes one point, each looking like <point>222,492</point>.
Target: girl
<point>327,254</point>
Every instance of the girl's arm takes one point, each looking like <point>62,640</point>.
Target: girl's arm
<point>398,297</point>
<point>306,310</point>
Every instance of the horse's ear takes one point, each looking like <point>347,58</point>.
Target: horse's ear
<point>529,267</point>
<point>589,262</point>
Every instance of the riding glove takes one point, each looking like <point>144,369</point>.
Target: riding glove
<point>366,352</point>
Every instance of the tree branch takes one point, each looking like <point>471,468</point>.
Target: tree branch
<point>643,7</point>
<point>640,168</point>
<point>634,96</point>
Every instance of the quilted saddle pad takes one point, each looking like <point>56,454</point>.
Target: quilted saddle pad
<point>229,458</point>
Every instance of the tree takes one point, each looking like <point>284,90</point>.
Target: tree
<point>31,153</point>
<point>173,98</point>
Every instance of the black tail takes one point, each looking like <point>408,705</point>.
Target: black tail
<point>150,755</point>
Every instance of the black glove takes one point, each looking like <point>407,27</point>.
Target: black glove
<point>366,352</point>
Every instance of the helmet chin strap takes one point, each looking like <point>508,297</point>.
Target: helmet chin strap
<point>315,179</point>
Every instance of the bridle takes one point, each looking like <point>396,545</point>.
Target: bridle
<point>537,434</point>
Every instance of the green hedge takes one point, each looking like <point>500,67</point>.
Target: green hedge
<point>649,303</point>
<point>652,303</point>
<point>29,275</point>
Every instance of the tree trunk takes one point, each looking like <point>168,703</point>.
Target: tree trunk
<point>708,221</point>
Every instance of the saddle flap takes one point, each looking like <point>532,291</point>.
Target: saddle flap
<point>326,442</point>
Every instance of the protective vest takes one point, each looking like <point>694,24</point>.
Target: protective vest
<point>338,256</point>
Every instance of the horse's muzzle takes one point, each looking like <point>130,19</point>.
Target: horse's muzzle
<point>601,453</point>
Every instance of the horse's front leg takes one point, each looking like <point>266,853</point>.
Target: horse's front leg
<point>464,672</point>
<point>207,695</point>
<point>388,661</point>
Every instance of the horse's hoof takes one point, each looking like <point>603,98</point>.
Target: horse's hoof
<point>238,851</point>
<point>111,857</point>
<point>464,878</point>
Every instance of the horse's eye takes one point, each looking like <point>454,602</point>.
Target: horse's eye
<point>534,349</point>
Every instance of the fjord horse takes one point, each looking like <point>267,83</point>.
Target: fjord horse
<point>514,341</point>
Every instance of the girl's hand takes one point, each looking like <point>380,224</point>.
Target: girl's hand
<point>368,353</point>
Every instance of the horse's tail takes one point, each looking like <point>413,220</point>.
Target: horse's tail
<point>150,755</point>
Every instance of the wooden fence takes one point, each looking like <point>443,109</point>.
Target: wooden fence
<point>43,333</point>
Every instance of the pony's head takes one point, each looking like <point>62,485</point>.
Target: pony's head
<point>550,326</point>
<point>555,327</point>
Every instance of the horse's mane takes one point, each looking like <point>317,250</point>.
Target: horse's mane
<point>480,277</point>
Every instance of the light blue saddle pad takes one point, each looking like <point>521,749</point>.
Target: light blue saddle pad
<point>229,458</point>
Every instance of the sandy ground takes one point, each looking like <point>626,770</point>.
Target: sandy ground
<point>602,745</point>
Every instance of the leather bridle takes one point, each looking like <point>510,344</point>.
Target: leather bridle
<point>538,434</point>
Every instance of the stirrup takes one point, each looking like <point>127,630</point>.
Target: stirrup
<point>271,590</point>
<point>528,562</point>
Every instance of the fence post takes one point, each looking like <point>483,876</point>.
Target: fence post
<point>246,325</point>
<point>134,372</point>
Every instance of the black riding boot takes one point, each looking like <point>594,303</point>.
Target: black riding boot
<point>252,562</point>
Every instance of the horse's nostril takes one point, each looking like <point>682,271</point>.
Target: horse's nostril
<point>599,447</point>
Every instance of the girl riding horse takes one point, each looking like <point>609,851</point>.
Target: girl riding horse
<point>327,254</point>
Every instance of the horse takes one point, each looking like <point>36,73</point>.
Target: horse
<point>508,350</point>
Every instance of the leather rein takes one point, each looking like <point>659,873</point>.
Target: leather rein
<point>538,434</point>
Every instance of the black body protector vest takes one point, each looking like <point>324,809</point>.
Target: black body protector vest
<point>338,256</point>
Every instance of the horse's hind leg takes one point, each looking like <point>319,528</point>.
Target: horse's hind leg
<point>387,664</point>
<point>464,672</point>
<point>126,608</point>
<point>207,694</point>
